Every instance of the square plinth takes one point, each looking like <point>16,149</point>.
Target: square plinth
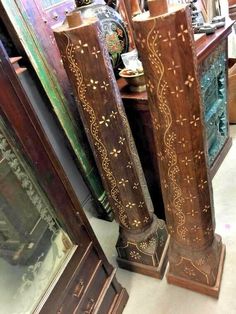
<point>212,291</point>
<point>148,270</point>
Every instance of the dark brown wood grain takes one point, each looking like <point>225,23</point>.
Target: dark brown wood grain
<point>31,139</point>
<point>166,46</point>
<point>143,237</point>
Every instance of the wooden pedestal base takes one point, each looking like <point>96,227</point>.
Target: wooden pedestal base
<point>198,287</point>
<point>148,270</point>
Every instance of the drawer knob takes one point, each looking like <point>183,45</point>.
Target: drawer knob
<point>78,289</point>
<point>59,311</point>
<point>90,306</point>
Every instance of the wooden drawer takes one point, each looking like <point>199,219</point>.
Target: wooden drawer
<point>62,290</point>
<point>81,281</point>
<point>93,292</point>
<point>108,300</point>
<point>82,298</point>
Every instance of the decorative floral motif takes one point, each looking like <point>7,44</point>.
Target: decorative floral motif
<point>165,184</point>
<point>208,231</point>
<point>197,239</point>
<point>114,45</point>
<point>148,243</point>
<point>189,81</point>
<point>105,121</point>
<point>121,140</point>
<point>177,91</point>
<point>202,184</point>
<point>135,255</point>
<point>130,205</point>
<point>186,160</point>
<point>136,223</point>
<point>181,120</point>
<point>195,228</point>
<point>195,120</point>
<point>80,46</point>
<point>96,52</point>
<point>188,179</point>
<point>143,245</point>
<point>189,271</point>
<point>173,67</point>
<point>206,208</point>
<point>123,182</point>
<point>113,114</point>
<point>150,86</point>
<point>135,186</point>
<point>182,32</point>
<point>183,142</point>
<point>191,197</point>
<point>141,204</point>
<point>199,154</point>
<point>160,156</point>
<point>92,84</point>
<point>169,39</point>
<point>129,164</point>
<point>104,85</point>
<point>192,212</point>
<point>115,152</point>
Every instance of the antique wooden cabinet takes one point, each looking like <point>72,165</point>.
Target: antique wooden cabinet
<point>213,71</point>
<point>50,260</point>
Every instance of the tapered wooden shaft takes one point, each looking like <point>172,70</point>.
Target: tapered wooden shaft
<point>88,66</point>
<point>133,8</point>
<point>165,44</point>
<point>157,7</point>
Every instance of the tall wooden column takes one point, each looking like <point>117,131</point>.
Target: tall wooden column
<point>143,239</point>
<point>165,43</point>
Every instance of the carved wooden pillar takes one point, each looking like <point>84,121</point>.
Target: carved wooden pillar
<point>165,43</point>
<point>143,239</point>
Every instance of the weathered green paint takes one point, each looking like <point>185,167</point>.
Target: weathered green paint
<point>214,94</point>
<point>20,22</point>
